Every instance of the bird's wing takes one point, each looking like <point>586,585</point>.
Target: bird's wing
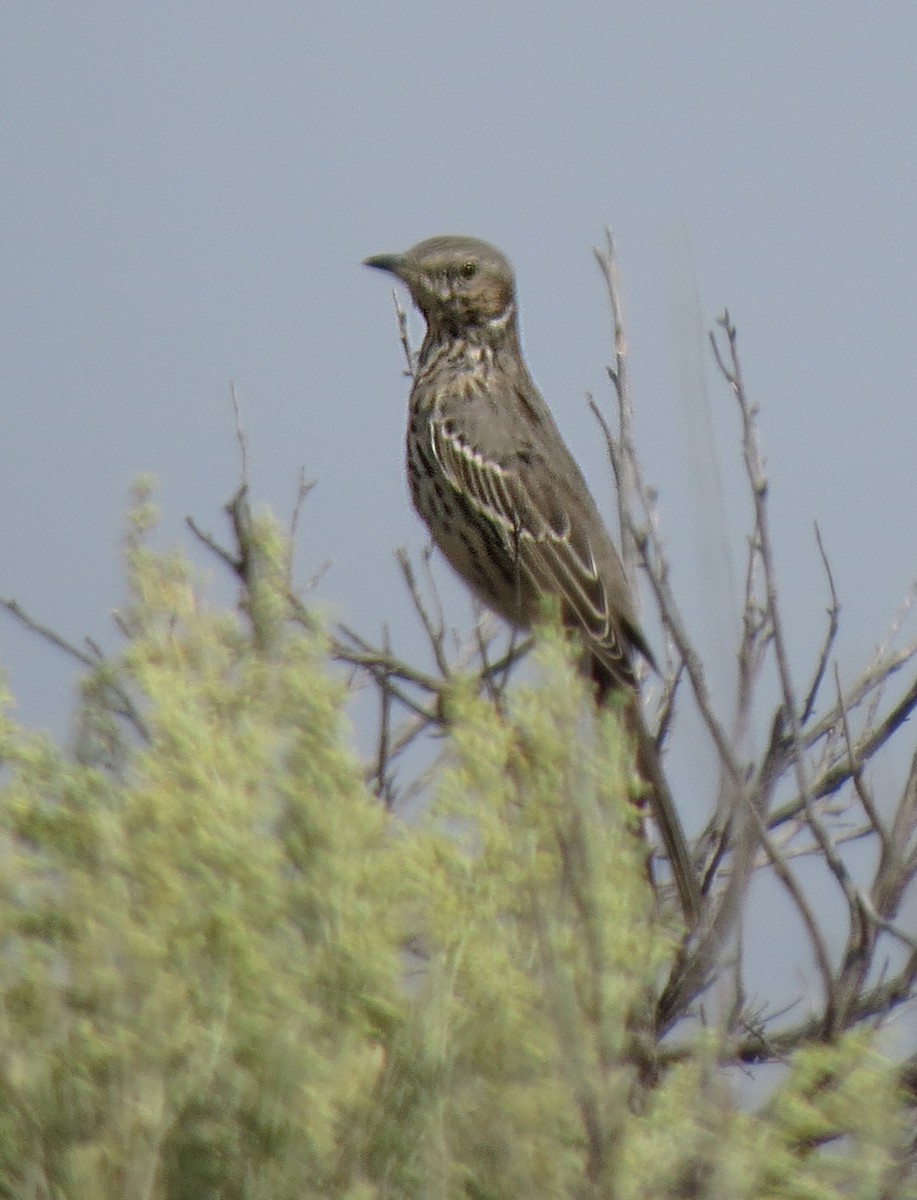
<point>553,536</point>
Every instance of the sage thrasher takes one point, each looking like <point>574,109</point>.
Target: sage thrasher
<point>502,496</point>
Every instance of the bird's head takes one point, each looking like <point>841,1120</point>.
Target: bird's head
<point>461,285</point>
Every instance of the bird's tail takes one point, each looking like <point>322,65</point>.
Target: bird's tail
<point>665,814</point>
<point>663,806</point>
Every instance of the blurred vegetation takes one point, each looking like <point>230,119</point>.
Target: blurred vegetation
<point>228,972</point>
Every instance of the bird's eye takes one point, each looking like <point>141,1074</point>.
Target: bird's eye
<point>469,270</point>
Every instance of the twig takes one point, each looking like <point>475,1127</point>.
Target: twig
<point>15,609</point>
<point>302,491</point>
<point>834,610</point>
<point>434,630</point>
<point>241,438</point>
<point>401,317</point>
<point>383,750</point>
<point>626,485</point>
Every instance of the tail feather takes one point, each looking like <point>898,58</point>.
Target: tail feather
<point>662,804</point>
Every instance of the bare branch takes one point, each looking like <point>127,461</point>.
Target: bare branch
<point>303,490</point>
<point>878,1001</point>
<point>608,265</point>
<point>120,702</point>
<point>434,627</point>
<point>241,438</point>
<point>410,356</point>
<point>834,610</point>
<point>15,609</point>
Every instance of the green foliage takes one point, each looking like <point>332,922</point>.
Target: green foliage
<point>227,974</point>
<point>200,949</point>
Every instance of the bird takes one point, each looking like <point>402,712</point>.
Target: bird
<point>503,498</point>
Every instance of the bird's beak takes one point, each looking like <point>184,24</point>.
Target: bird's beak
<point>393,263</point>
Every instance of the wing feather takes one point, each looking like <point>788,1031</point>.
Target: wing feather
<point>522,498</point>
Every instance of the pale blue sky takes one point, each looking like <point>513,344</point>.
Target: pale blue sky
<point>189,189</point>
